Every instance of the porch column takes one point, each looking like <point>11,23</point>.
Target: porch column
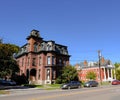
<point>111,74</point>
<point>104,75</point>
<point>108,73</point>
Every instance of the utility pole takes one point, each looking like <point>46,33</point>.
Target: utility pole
<point>99,57</point>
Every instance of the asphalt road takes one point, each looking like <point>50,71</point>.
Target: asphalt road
<point>98,93</point>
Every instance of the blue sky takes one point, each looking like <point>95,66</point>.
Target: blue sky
<point>85,26</point>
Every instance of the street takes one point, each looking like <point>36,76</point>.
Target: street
<point>97,93</point>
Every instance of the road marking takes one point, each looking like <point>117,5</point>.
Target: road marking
<point>72,93</point>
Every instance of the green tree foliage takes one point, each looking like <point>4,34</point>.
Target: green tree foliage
<point>69,73</point>
<point>117,65</point>
<point>8,65</point>
<point>117,70</point>
<point>118,74</point>
<point>91,75</point>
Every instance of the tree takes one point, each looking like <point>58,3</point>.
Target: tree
<point>91,75</point>
<point>8,65</point>
<point>117,70</point>
<point>118,74</point>
<point>69,73</point>
<point>117,65</point>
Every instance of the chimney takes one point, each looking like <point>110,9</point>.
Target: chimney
<point>102,60</point>
<point>85,63</point>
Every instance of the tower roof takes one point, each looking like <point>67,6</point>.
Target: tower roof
<point>34,33</point>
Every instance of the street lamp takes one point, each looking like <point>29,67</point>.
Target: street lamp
<point>99,56</point>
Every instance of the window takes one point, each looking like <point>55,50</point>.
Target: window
<point>39,74</point>
<point>35,47</point>
<point>48,74</point>
<point>28,61</point>
<point>39,61</point>
<point>49,47</point>
<point>64,63</point>
<point>48,60</point>
<point>33,62</point>
<point>53,60</point>
<point>60,61</point>
<point>53,74</point>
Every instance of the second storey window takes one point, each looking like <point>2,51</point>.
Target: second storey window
<point>53,60</point>
<point>48,60</point>
<point>33,62</point>
<point>40,61</point>
<point>60,61</point>
<point>28,61</point>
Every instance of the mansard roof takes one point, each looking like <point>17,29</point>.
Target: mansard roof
<point>43,46</point>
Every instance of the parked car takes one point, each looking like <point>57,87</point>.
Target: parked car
<point>11,83</point>
<point>71,84</point>
<point>3,82</point>
<point>115,82</point>
<point>91,84</point>
<point>7,82</point>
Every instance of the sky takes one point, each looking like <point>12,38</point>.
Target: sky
<point>84,26</point>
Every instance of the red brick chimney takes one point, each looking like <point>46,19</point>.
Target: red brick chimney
<point>85,63</point>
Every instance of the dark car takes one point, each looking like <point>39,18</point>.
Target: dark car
<point>115,82</point>
<point>11,83</point>
<point>91,84</point>
<point>71,84</point>
<point>3,82</point>
<point>7,83</point>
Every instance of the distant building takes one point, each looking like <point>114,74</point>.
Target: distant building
<point>41,61</point>
<point>106,69</point>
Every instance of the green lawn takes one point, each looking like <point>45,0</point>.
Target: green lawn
<point>47,86</point>
<point>4,92</point>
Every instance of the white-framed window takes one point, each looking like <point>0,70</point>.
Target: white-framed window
<point>48,74</point>
<point>48,60</point>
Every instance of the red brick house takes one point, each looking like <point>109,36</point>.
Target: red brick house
<point>105,73</point>
<point>41,61</point>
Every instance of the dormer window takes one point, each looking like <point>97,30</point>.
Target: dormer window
<point>35,47</point>
<point>48,47</point>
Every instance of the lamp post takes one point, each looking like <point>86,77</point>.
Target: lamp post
<point>99,56</point>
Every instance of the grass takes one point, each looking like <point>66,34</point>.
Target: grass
<point>47,86</point>
<point>106,83</point>
<point>4,92</point>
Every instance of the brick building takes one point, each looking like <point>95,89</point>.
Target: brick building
<point>105,71</point>
<point>41,61</point>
